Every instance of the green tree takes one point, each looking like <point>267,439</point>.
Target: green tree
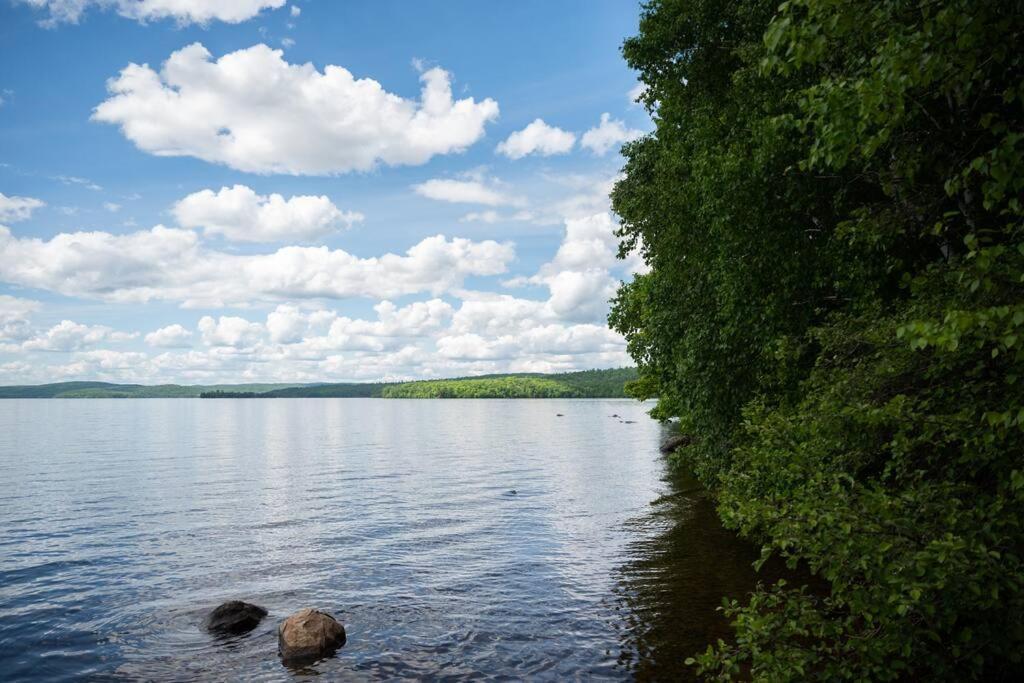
<point>830,205</point>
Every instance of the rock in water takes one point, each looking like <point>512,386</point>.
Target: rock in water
<point>308,635</point>
<point>235,618</point>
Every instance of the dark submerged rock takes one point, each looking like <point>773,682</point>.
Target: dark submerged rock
<point>559,415</point>
<point>308,635</point>
<point>235,618</point>
<point>675,442</point>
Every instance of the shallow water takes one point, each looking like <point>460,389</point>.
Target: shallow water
<point>123,522</point>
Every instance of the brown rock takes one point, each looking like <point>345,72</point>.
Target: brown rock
<point>309,635</point>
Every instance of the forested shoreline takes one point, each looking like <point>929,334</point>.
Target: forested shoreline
<point>830,206</point>
<point>607,383</point>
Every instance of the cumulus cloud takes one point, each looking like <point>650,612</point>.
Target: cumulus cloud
<point>553,340</point>
<point>432,338</point>
<point>472,191</point>
<point>610,133</point>
<point>229,331</point>
<point>314,333</point>
<point>172,336</point>
<point>287,324</point>
<point>71,336</point>
<point>239,214</point>
<point>13,209</point>
<point>15,318</point>
<point>413,320</point>
<point>636,92</point>
<point>169,264</point>
<point>579,277</point>
<point>182,11</point>
<point>253,111</point>
<point>537,138</point>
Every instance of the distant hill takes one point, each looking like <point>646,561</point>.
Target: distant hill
<point>110,390</point>
<point>585,384</point>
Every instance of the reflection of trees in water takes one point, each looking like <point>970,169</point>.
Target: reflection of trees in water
<point>681,565</point>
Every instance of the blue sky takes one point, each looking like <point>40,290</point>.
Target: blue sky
<point>260,190</point>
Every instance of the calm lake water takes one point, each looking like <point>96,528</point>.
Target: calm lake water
<point>123,522</point>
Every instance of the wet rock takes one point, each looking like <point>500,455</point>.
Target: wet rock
<point>308,635</point>
<point>559,415</point>
<point>675,442</point>
<point>235,618</point>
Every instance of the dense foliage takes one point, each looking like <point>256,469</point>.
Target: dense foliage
<point>831,207</point>
<point>498,387</point>
<point>351,390</point>
<point>586,384</point>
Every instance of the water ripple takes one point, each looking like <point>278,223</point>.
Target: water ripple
<point>122,523</point>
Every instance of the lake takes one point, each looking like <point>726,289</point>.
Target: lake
<point>123,522</point>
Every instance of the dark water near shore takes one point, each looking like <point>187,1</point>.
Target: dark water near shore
<point>122,522</point>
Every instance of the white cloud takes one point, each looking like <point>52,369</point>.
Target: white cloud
<point>498,315</point>
<point>579,277</point>
<point>172,336</point>
<point>15,315</point>
<point>608,134</point>
<point>286,325</point>
<point>295,10</point>
<point>487,333</point>
<point>111,207</point>
<point>636,92</point>
<point>589,242</point>
<point>488,216</point>
<point>14,209</point>
<point>537,138</point>
<point>288,42</point>
<point>492,216</point>
<point>547,340</point>
<point>169,264</point>
<point>253,111</point>
<point>75,180</point>
<point>581,294</point>
<point>71,336</point>
<point>240,214</point>
<point>413,320</point>
<point>229,331</point>
<point>394,327</point>
<point>473,191</point>
<point>182,11</point>
<point>289,332</point>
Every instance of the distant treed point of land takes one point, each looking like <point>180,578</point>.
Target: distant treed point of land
<point>586,384</point>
